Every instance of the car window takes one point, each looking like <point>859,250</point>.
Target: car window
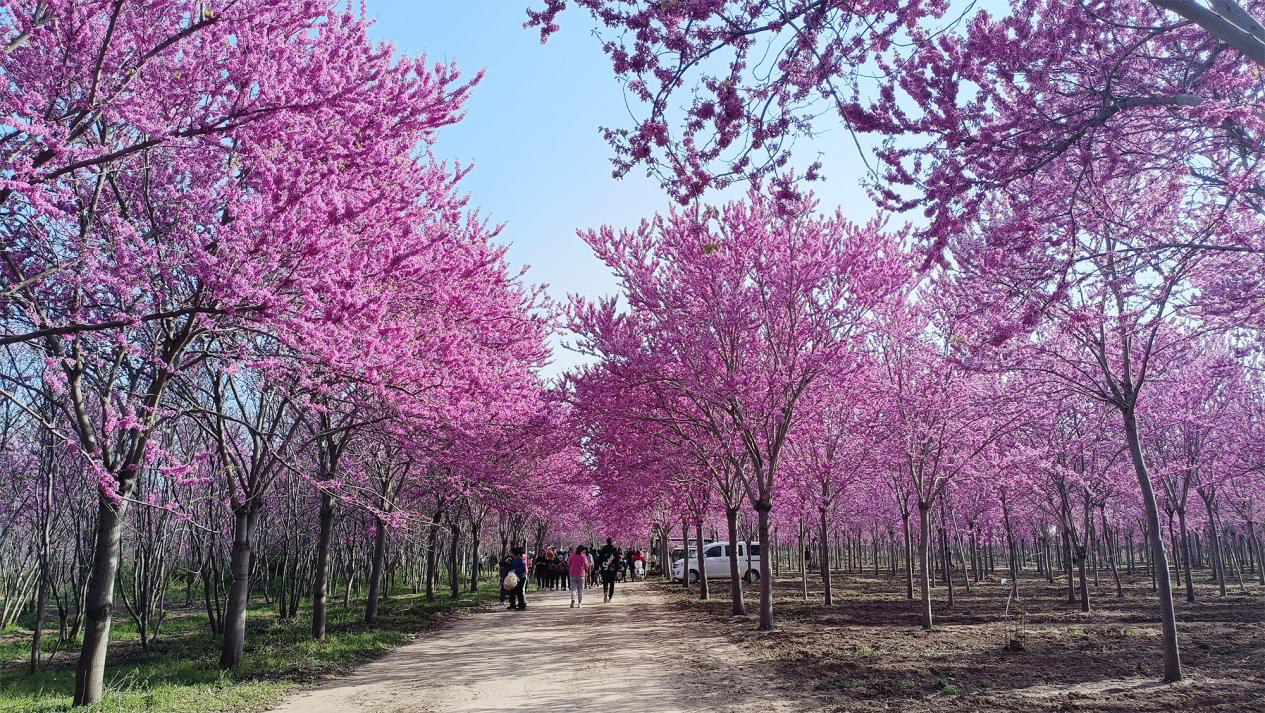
<point>724,551</point>
<point>755,549</point>
<point>713,551</point>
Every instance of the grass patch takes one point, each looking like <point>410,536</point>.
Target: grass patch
<point>181,672</point>
<point>946,687</point>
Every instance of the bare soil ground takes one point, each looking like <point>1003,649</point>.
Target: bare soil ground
<point>657,649</point>
<point>639,654</point>
<point>868,652</point>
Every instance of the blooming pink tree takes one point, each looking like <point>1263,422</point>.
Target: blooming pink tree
<point>1245,487</point>
<point>186,183</point>
<point>835,447</point>
<point>973,102</point>
<point>1192,422</point>
<point>940,418</point>
<point>1097,315</point>
<point>750,304</point>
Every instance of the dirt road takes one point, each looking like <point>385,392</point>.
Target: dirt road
<point>634,655</point>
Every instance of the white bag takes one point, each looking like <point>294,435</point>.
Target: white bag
<point>510,583</point>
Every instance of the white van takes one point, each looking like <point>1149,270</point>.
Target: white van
<point>716,561</point>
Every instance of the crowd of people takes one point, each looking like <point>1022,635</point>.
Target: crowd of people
<point>575,569</point>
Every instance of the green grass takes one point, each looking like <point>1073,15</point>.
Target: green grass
<point>15,644</point>
<point>181,672</point>
<point>945,686</point>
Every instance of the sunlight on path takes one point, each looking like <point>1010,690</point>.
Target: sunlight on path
<point>622,657</point>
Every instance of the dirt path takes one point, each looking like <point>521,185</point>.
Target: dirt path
<point>635,655</point>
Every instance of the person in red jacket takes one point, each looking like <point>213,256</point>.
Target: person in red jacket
<point>639,566</point>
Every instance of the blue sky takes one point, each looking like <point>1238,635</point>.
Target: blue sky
<point>531,132</point>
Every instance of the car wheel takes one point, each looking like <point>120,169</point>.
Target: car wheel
<point>753,575</point>
<point>693,576</point>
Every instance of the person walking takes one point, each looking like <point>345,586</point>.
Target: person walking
<point>577,566</point>
<point>608,557</point>
<point>561,566</point>
<point>518,565</point>
<point>506,566</point>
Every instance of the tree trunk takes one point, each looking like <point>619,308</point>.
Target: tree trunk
<point>41,602</point>
<point>1260,552</point>
<point>924,547</point>
<point>454,575</point>
<point>41,597</point>
<point>1091,540</point>
<point>1218,559</point>
<point>825,558</point>
<point>98,604</point>
<point>1150,564</point>
<point>974,553</point>
<point>946,551</point>
<point>909,558</point>
<point>876,552</point>
<point>321,582</point>
<point>432,557</point>
<point>665,554</point>
<point>735,579</point>
<point>803,561</point>
<point>244,519</point>
<point>766,580</point>
<point>892,555</point>
<point>1067,563</point>
<point>283,571</point>
<point>1010,547</point>
<point>685,553</point>
<point>1082,575</point>
<point>1049,563</point>
<point>1168,618</point>
<point>777,554</point>
<point>1234,554</point>
<point>477,566</point>
<point>1112,544</point>
<point>1130,546</point>
<point>701,559</point>
<point>375,571</point>
<point>1185,554</point>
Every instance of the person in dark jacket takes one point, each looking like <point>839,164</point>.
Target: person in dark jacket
<point>608,564</point>
<point>541,570</point>
<point>518,565</point>
<point>506,565</point>
<point>608,551</point>
<point>594,569</point>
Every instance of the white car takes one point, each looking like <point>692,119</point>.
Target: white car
<point>716,562</point>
